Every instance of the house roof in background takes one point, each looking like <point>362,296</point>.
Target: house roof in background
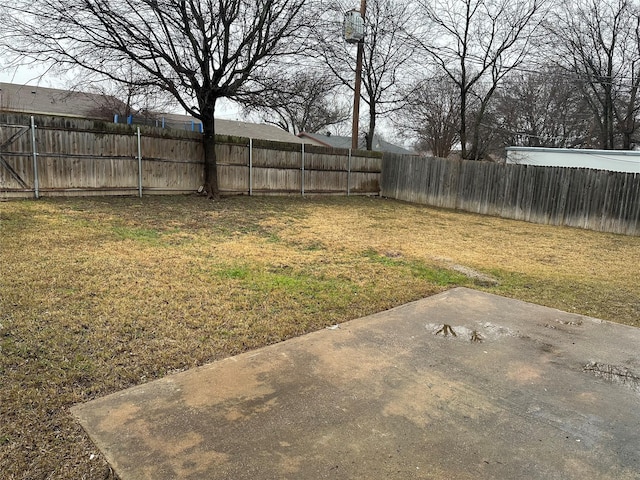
<point>236,128</point>
<point>52,101</point>
<point>336,141</point>
<point>263,131</point>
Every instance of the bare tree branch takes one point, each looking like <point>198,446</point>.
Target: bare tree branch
<point>198,51</point>
<point>300,101</point>
<point>476,43</point>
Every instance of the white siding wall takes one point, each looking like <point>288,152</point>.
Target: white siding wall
<point>613,160</point>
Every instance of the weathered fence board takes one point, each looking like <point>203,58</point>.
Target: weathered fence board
<point>585,198</point>
<point>78,157</point>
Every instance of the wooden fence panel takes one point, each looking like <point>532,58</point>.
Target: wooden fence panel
<point>22,167</point>
<point>325,162</point>
<point>585,198</point>
<point>331,182</point>
<point>279,159</point>
<point>230,154</point>
<point>390,172</point>
<point>277,181</point>
<point>16,160</point>
<point>171,176</point>
<point>86,157</point>
<point>365,183</point>
<point>233,179</point>
<point>371,163</point>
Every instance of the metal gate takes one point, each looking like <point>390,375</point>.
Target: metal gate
<point>18,160</point>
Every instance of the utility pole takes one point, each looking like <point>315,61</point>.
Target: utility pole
<point>356,97</point>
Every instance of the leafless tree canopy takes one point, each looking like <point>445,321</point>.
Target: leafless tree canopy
<point>476,43</point>
<point>598,44</point>
<point>299,101</point>
<point>431,115</point>
<point>196,50</point>
<point>543,109</point>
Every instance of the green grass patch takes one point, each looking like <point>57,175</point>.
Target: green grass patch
<point>441,277</point>
<point>144,235</point>
<point>234,272</point>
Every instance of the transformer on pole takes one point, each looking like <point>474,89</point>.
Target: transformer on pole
<point>353,27</point>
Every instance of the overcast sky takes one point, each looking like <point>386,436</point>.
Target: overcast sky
<point>30,76</point>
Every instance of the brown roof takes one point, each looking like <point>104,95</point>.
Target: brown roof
<point>262,131</point>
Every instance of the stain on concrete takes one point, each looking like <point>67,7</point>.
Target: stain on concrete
<point>524,373</point>
<point>615,374</point>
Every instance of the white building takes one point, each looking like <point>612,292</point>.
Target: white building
<point>612,160</point>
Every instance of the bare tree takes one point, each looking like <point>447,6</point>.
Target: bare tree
<point>198,51</point>
<point>598,42</point>
<point>134,97</point>
<point>386,54</point>
<point>476,43</point>
<point>431,115</point>
<point>543,109</point>
<point>299,101</point>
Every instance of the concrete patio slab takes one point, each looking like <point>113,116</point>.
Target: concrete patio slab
<point>461,385</point>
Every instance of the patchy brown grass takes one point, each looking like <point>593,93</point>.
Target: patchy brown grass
<point>100,294</point>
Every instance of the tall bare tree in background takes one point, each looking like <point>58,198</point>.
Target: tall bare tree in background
<point>597,42</point>
<point>431,115</point>
<point>476,43</point>
<point>543,109</point>
<point>386,54</point>
<point>198,51</point>
<point>299,101</point>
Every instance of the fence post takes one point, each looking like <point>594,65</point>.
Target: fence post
<point>302,172</point>
<point>349,175</point>
<point>251,167</point>
<point>36,180</point>
<point>139,165</point>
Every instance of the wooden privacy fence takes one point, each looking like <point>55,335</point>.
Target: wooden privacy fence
<point>592,199</point>
<point>58,156</point>
<point>251,167</point>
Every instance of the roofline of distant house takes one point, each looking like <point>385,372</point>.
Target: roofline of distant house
<point>50,114</point>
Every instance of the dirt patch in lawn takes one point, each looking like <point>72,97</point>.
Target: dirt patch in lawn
<point>100,294</point>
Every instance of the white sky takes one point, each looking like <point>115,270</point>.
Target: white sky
<point>30,76</point>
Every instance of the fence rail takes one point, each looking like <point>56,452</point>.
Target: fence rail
<point>57,156</point>
<point>591,199</point>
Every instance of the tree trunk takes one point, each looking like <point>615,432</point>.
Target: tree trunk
<point>210,159</point>
<point>372,127</point>
<point>608,117</point>
<point>463,123</point>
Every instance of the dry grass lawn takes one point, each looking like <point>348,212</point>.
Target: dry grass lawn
<point>99,294</point>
